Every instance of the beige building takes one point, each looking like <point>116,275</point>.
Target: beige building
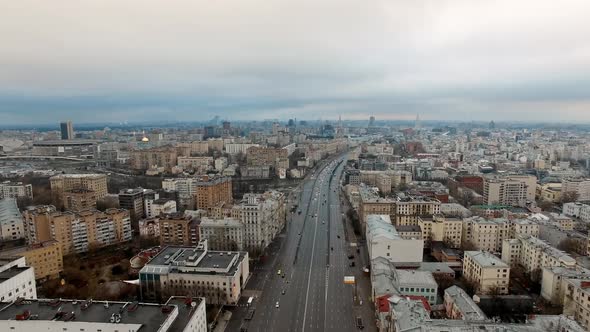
<point>264,156</point>
<point>222,234</point>
<point>60,184</point>
<point>371,203</point>
<point>515,190</point>
<point>209,192</point>
<point>533,254</point>
<point>441,229</point>
<point>218,276</point>
<point>159,157</point>
<point>178,229</point>
<point>577,301</point>
<point>263,216</point>
<point>488,234</point>
<point>196,148</point>
<point>379,179</point>
<point>79,199</point>
<point>200,164</point>
<point>45,257</point>
<point>15,190</point>
<point>487,271</point>
<point>408,210</point>
<point>78,231</point>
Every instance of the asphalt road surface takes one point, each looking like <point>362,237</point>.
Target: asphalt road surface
<point>313,261</point>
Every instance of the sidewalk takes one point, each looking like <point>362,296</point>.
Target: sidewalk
<point>222,322</point>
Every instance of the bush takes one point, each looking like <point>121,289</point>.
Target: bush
<point>117,270</point>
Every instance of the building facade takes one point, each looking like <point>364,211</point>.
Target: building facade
<point>488,272</point>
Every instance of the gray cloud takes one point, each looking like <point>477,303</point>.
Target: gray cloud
<point>188,60</point>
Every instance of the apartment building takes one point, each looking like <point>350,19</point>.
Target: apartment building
<point>378,179</point>
<point>577,210</point>
<point>195,148</point>
<point>176,314</point>
<point>408,210</point>
<point>554,282</point>
<point>16,279</point>
<point>62,183</point>
<point>222,234</point>
<point>439,228</point>
<point>149,228</point>
<point>78,231</point>
<point>514,190</point>
<point>459,305</point>
<point>383,240</point>
<point>579,186</point>
<point>45,257</point>
<point>577,301</point>
<point>218,276</point>
<point>487,271</point>
<point>185,187</point>
<point>155,207</point>
<point>11,220</point>
<point>263,216</point>
<point>372,203</point>
<point>199,164</point>
<point>211,191</point>
<point>236,148</point>
<point>79,199</point>
<point>178,229</point>
<point>154,157</point>
<point>488,234</point>
<point>15,190</point>
<point>132,200</point>
<point>533,254</point>
<point>266,156</point>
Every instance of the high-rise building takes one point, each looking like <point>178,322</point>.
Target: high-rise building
<point>79,199</point>
<point>11,221</point>
<point>371,121</point>
<point>515,190</point>
<point>132,200</point>
<point>178,229</point>
<point>64,182</point>
<point>67,130</point>
<point>211,191</point>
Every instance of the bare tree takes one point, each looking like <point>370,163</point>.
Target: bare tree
<point>569,196</point>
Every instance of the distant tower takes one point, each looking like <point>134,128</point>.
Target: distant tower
<point>492,125</point>
<point>417,125</point>
<point>67,130</point>
<point>371,121</point>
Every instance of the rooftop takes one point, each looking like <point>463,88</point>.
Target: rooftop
<point>78,176</point>
<point>485,259</point>
<point>379,225</point>
<point>463,301</point>
<point>415,277</point>
<point>133,316</point>
<point>12,272</point>
<point>194,260</point>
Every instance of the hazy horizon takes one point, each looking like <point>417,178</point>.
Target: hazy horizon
<point>116,61</point>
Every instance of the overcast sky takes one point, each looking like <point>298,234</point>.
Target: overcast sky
<point>117,60</point>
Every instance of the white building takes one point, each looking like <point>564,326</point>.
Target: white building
<point>177,314</point>
<point>383,240</point>
<point>487,271</point>
<point>16,279</point>
<point>235,148</point>
<point>15,190</point>
<point>186,188</point>
<point>218,276</point>
<point>578,210</point>
<point>11,221</point>
<point>222,234</point>
<point>263,216</point>
<point>534,254</point>
<point>155,207</point>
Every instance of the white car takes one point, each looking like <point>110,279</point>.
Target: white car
<point>277,304</point>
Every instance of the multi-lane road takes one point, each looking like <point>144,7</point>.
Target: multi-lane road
<point>309,294</point>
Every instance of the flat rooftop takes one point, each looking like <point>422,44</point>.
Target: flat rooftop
<point>178,256</point>
<point>12,272</point>
<point>147,316</point>
<point>185,311</point>
<point>486,259</point>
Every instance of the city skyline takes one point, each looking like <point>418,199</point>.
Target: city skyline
<point>454,60</point>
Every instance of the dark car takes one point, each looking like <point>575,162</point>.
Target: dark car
<point>359,323</point>
<point>351,264</point>
<point>351,256</point>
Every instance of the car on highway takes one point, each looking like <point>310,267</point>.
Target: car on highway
<point>359,322</point>
<point>279,272</point>
<point>277,304</point>
<point>283,292</point>
<point>350,256</point>
<point>351,264</point>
